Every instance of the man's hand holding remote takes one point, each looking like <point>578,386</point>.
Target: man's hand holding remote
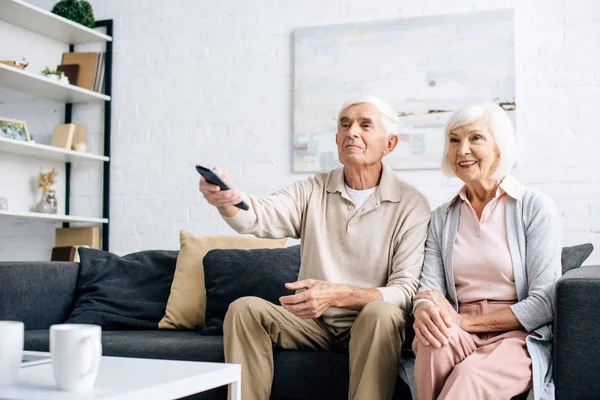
<point>224,200</point>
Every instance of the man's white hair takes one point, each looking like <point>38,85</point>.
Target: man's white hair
<point>389,118</point>
<point>498,122</point>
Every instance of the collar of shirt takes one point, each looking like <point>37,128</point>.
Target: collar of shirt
<point>509,185</point>
<point>386,191</point>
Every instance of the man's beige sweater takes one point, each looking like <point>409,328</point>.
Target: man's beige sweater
<point>381,245</point>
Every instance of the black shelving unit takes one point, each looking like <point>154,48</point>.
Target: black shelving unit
<point>108,24</point>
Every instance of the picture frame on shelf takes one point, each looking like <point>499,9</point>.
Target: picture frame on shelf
<point>14,129</point>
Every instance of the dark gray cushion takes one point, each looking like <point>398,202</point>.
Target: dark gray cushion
<point>128,292</point>
<point>574,256</point>
<point>231,274</point>
<point>187,345</point>
<point>38,293</point>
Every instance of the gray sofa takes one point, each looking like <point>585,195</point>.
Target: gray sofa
<point>42,294</point>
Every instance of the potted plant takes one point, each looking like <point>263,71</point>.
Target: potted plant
<point>79,11</point>
<point>55,75</point>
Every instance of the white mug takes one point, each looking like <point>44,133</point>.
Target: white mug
<point>11,351</point>
<point>76,353</point>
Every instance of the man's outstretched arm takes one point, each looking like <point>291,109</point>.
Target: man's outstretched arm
<point>276,216</point>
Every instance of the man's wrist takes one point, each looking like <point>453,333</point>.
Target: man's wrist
<point>339,294</point>
<point>228,211</point>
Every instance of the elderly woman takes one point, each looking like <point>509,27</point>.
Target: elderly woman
<point>485,305</point>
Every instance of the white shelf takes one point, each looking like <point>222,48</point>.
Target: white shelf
<point>37,85</point>
<point>20,215</point>
<point>35,19</point>
<point>44,152</point>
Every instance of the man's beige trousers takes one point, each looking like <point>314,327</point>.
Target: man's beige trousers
<point>253,327</point>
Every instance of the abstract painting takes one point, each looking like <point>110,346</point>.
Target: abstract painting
<point>425,68</point>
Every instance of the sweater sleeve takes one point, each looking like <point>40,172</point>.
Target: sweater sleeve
<point>408,258</point>
<point>543,237</point>
<point>276,216</point>
<point>433,277</point>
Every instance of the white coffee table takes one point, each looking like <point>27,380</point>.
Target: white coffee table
<point>131,378</point>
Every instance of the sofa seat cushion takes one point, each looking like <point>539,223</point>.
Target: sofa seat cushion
<point>168,345</point>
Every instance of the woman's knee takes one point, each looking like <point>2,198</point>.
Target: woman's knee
<point>427,352</point>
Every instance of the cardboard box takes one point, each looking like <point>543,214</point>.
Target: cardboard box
<point>66,253</point>
<point>80,134</point>
<point>63,136</point>
<point>88,63</point>
<point>84,236</point>
<point>71,71</point>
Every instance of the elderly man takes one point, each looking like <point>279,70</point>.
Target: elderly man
<point>362,231</point>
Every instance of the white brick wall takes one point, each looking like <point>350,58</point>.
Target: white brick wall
<point>211,82</point>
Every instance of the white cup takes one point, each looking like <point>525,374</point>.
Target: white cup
<point>76,353</point>
<point>11,351</point>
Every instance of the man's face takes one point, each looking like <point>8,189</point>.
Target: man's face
<point>361,138</point>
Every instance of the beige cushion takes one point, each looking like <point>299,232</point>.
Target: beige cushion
<point>186,306</point>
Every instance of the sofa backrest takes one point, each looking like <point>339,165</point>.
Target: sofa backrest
<point>38,293</point>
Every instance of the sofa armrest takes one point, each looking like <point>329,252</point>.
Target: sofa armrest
<point>576,333</point>
<point>38,293</point>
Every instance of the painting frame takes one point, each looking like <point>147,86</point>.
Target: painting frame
<point>424,67</point>
<point>14,129</point>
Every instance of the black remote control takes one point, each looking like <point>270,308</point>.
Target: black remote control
<point>213,178</point>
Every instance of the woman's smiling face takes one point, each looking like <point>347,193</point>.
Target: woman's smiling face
<point>472,152</point>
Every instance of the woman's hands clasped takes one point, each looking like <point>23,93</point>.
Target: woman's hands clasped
<point>433,319</point>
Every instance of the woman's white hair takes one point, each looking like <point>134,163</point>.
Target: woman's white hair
<point>498,122</point>
<point>389,118</point>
